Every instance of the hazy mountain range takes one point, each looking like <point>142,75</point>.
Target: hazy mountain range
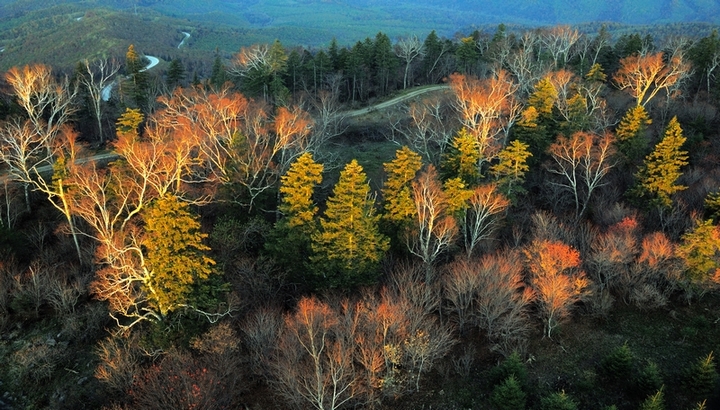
<point>62,30</point>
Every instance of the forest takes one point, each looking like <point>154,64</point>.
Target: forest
<point>513,219</point>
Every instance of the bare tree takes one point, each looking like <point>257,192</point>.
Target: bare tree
<point>48,102</point>
<point>487,109</point>
<point>503,300</point>
<point>314,360</point>
<point>408,49</point>
<point>96,79</point>
<point>582,161</point>
<point>435,229</point>
<point>559,42</point>
<point>482,217</point>
<point>524,65</point>
<point>429,130</point>
<point>644,75</point>
<point>33,156</point>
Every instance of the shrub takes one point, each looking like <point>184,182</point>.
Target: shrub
<point>702,376</point>
<point>508,395</point>
<point>654,402</point>
<point>649,378</point>
<point>511,366</point>
<point>558,401</point>
<point>617,365</point>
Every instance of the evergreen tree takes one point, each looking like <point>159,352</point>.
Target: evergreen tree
<point>434,50</point>
<point>129,122</point>
<point>290,238</point>
<point>349,246</point>
<point>631,133</point>
<point>654,402</point>
<point>218,76</point>
<point>533,133</point>
<point>511,168</point>
<point>386,62</point>
<point>175,254</point>
<point>558,401</point>
<point>467,55</point>
<point>508,395</point>
<point>661,169</point>
<point>596,73</point>
<point>137,87</point>
<point>397,190</point>
<point>701,378</point>
<point>700,250</point>
<point>463,158</point>
<point>175,73</point>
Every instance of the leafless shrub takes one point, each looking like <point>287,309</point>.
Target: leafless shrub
<point>180,381</point>
<point>36,360</point>
<point>219,353</point>
<point>260,332</point>
<point>256,281</point>
<point>503,300</point>
<point>119,362</point>
<point>64,292</point>
<point>547,227</point>
<point>612,253</point>
<point>31,288</point>
<point>654,275</point>
<point>407,281</point>
<point>460,283</point>
<point>463,363</point>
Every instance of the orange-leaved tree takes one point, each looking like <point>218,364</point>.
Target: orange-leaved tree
<point>556,277</point>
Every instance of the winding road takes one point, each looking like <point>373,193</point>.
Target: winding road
<point>107,91</point>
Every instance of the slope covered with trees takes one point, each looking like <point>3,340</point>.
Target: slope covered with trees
<point>539,232</point>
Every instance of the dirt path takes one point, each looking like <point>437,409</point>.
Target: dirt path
<point>394,101</point>
<point>107,156</point>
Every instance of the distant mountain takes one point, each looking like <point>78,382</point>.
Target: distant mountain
<point>63,31</point>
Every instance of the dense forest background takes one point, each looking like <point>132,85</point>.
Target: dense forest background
<point>504,217</point>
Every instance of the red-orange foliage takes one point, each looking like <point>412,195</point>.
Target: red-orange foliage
<point>487,109</point>
<point>646,75</point>
<point>556,277</point>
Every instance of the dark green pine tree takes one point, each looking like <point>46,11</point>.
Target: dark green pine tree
<point>139,83</point>
<point>349,246</point>
<point>175,73</point>
<point>434,51</point>
<point>702,377</point>
<point>508,395</point>
<point>386,63</point>
<point>218,75</point>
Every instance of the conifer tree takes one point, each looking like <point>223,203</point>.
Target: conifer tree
<point>511,168</point>
<point>218,75</point>
<point>174,254</point>
<point>658,177</point>
<point>290,238</point>
<point>700,250</point>
<point>630,133</point>
<point>175,73</point>
<point>138,78</point>
<point>508,395</point>
<point>463,159</point>
<point>349,246</point>
<point>397,189</point>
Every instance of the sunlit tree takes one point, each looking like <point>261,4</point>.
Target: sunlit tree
<point>348,247</point>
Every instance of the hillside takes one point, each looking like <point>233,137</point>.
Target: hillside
<point>66,31</point>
